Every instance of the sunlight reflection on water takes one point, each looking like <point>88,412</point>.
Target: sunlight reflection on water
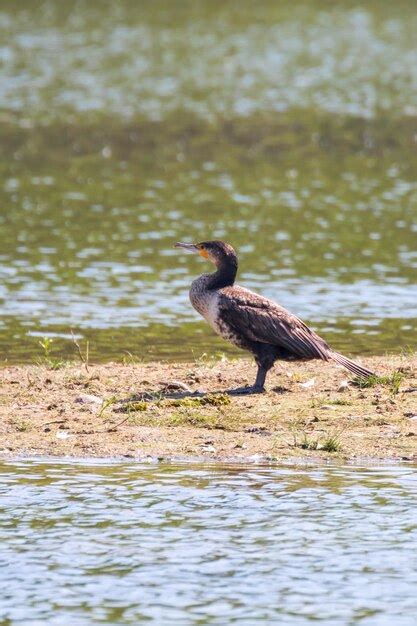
<point>115,543</point>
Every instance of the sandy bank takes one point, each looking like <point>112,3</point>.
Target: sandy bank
<point>138,410</point>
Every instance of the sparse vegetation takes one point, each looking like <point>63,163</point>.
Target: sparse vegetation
<point>308,443</point>
<point>46,345</point>
<point>83,357</point>
<point>21,425</point>
<point>213,359</point>
<point>392,381</point>
<point>130,359</point>
<point>47,360</point>
<point>106,404</point>
<point>201,420</point>
<point>331,444</point>
<point>161,418</point>
<point>138,405</point>
<point>219,399</point>
<point>317,402</point>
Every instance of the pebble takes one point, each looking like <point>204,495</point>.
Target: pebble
<point>176,385</point>
<point>344,385</point>
<point>62,434</point>
<point>309,383</point>
<point>87,398</point>
<point>258,430</point>
<point>256,458</point>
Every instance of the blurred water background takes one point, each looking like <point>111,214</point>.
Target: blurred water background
<point>287,128</point>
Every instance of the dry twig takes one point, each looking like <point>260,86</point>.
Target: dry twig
<point>77,345</point>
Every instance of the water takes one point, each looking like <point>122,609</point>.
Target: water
<point>117,543</point>
<point>288,129</point>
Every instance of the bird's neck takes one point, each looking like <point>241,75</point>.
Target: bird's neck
<point>224,276</point>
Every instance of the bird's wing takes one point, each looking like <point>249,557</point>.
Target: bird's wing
<point>262,320</point>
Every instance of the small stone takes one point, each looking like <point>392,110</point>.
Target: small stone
<point>176,385</point>
<point>328,407</point>
<point>87,398</point>
<point>258,430</point>
<point>62,434</point>
<point>308,383</point>
<point>344,385</point>
<point>256,458</point>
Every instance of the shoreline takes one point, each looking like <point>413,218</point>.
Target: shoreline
<point>178,412</point>
<point>205,461</point>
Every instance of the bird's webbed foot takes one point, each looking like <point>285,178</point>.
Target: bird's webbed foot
<point>243,391</point>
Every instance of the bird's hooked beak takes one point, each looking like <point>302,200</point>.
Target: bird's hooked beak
<point>187,246</point>
<point>192,247</point>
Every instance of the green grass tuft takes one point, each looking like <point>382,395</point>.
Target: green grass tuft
<point>331,444</point>
<point>308,443</point>
<point>139,405</point>
<point>194,419</point>
<point>393,381</point>
<point>219,399</point>
<point>105,405</point>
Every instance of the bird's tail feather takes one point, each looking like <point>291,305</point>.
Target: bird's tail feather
<point>350,365</point>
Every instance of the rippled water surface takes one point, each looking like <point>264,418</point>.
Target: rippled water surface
<point>114,543</point>
<point>286,128</point>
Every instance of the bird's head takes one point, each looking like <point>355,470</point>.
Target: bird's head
<point>218,252</point>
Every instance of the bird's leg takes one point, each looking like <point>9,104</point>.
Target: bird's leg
<point>258,387</point>
<point>260,377</point>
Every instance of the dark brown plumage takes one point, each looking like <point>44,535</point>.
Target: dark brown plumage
<point>253,322</point>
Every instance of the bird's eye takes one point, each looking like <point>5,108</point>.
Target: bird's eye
<point>202,250</point>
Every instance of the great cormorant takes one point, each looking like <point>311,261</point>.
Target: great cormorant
<point>253,322</point>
